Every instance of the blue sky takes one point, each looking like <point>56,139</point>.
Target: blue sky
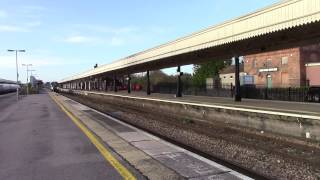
<point>62,37</point>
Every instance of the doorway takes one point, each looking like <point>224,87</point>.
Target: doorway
<point>269,81</point>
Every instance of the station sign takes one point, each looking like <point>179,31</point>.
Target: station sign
<point>268,70</point>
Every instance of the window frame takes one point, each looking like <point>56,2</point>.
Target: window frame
<point>284,59</point>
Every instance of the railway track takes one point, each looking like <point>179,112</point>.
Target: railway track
<point>261,156</point>
<point>218,160</point>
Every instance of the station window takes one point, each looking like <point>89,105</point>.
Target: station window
<point>269,62</point>
<point>254,63</point>
<point>284,61</point>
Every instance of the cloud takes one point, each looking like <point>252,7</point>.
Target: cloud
<point>107,29</point>
<point>8,61</point>
<point>34,8</point>
<point>24,27</point>
<point>25,24</point>
<point>3,14</point>
<point>116,41</point>
<point>80,39</point>
<point>46,66</point>
<point>110,35</point>
<point>33,11</point>
<point>160,30</point>
<point>111,40</point>
<point>12,28</point>
<point>32,24</point>
<point>120,30</point>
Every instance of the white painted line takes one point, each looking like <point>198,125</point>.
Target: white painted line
<point>214,106</point>
<point>212,163</point>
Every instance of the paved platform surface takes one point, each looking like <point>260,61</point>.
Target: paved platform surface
<point>38,141</point>
<point>7,99</point>
<point>265,105</point>
<point>187,164</point>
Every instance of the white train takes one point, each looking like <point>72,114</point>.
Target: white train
<point>7,86</point>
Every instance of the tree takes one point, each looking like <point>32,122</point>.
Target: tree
<point>156,77</point>
<point>159,76</point>
<point>209,69</point>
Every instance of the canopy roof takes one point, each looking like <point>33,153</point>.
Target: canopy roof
<point>2,81</point>
<point>280,16</point>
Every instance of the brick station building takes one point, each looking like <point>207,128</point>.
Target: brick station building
<point>295,67</point>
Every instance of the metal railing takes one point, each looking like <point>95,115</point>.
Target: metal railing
<point>298,94</point>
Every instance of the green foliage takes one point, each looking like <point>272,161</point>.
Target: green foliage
<point>138,79</point>
<point>206,70</point>
<point>160,79</point>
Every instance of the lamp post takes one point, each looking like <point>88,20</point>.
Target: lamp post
<point>16,51</point>
<point>27,76</point>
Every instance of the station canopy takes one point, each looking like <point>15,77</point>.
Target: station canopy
<point>4,81</point>
<point>285,24</point>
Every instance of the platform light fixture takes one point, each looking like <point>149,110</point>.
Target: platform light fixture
<point>27,65</point>
<point>16,51</point>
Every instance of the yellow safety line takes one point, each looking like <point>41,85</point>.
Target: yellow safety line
<point>124,172</point>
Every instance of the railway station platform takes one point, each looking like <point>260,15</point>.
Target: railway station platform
<point>153,157</point>
<point>295,119</point>
<point>39,141</point>
<point>300,108</point>
<point>49,136</point>
<point>184,119</point>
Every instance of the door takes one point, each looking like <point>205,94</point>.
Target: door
<point>269,81</point>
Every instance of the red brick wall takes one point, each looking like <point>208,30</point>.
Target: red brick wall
<point>293,74</point>
<point>285,76</point>
<point>313,75</point>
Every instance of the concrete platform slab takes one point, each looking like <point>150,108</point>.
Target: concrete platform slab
<point>115,125</point>
<point>154,147</point>
<point>189,166</point>
<point>135,136</point>
<point>223,176</point>
<point>77,105</point>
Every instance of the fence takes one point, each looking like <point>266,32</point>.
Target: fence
<point>283,94</point>
<point>298,94</point>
